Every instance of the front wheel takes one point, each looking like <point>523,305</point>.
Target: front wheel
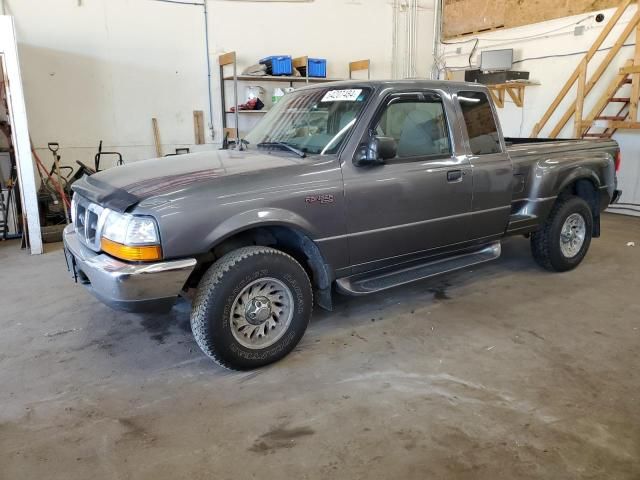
<point>564,239</point>
<point>252,308</point>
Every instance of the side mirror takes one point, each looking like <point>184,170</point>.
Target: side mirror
<point>376,151</point>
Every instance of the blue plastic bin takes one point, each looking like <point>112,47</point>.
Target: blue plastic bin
<point>278,65</point>
<point>317,67</point>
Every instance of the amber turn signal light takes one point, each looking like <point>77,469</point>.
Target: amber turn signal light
<point>142,253</point>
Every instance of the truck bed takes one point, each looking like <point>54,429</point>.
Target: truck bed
<point>540,167</point>
<point>520,147</point>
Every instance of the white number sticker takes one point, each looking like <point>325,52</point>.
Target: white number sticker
<point>350,95</point>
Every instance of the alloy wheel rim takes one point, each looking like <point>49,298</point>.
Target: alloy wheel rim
<point>261,313</point>
<point>572,235</point>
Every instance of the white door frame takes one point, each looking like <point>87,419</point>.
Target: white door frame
<point>20,131</point>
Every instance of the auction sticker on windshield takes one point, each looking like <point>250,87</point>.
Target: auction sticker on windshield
<point>348,95</point>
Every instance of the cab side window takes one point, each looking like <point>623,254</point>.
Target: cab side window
<point>418,124</point>
<point>481,125</point>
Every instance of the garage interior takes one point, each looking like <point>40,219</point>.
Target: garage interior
<point>500,370</point>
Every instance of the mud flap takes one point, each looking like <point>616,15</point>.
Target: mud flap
<point>324,298</point>
<point>71,264</point>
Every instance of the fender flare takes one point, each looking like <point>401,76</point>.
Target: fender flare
<point>581,173</point>
<point>304,240</point>
<point>263,217</point>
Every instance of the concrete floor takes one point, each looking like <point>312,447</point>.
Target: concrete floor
<point>505,371</point>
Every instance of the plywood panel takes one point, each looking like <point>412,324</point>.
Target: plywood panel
<point>467,16</point>
<point>463,17</point>
<point>525,12</point>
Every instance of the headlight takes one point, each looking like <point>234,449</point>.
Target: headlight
<point>131,238</point>
<point>115,227</point>
<point>141,231</point>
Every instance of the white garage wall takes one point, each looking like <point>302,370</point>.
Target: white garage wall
<point>101,69</point>
<point>555,39</point>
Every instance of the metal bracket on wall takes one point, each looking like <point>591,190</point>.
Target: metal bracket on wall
<point>515,90</point>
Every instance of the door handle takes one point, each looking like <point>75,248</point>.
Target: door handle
<point>454,176</point>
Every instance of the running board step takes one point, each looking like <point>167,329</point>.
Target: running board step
<point>390,277</point>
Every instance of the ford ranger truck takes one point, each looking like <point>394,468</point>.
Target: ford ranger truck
<point>354,187</point>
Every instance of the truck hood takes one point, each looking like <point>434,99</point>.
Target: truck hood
<point>120,188</point>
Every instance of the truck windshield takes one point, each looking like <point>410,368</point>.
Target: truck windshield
<point>313,121</point>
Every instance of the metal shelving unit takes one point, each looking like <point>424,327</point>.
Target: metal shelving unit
<point>281,78</point>
<point>229,60</point>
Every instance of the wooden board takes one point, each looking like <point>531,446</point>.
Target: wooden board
<point>635,81</point>
<point>626,125</point>
<point>198,126</point>
<point>466,17</point>
<point>227,59</point>
<point>156,137</point>
<point>230,133</point>
<point>582,81</point>
<point>359,65</point>
<point>300,62</point>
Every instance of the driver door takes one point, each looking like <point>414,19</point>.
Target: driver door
<point>417,201</point>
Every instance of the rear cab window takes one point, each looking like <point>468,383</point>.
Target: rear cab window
<point>480,122</point>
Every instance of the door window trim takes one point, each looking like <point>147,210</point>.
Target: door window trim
<point>421,97</point>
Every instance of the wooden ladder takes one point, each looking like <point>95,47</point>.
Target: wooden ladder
<point>609,124</point>
<point>626,116</point>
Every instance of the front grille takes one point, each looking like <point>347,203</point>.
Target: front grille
<point>81,212</point>
<point>88,222</point>
<point>91,227</point>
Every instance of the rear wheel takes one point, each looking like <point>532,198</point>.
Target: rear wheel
<point>564,239</point>
<point>252,308</point>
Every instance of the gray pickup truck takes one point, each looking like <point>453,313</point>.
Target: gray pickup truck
<point>352,186</point>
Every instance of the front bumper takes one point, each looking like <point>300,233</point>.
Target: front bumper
<point>126,286</point>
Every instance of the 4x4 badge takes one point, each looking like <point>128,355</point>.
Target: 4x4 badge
<point>323,199</point>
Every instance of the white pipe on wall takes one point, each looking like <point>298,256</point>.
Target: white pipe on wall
<point>415,36</point>
<point>409,37</point>
<point>406,15</point>
<point>208,54</point>
<point>437,35</point>
<point>411,24</point>
<point>407,23</point>
<point>394,41</point>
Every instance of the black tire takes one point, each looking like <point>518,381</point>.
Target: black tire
<point>219,288</point>
<point>545,243</point>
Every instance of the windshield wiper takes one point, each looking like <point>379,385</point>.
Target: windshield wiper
<point>289,147</point>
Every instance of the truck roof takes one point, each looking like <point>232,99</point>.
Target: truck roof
<point>416,83</point>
